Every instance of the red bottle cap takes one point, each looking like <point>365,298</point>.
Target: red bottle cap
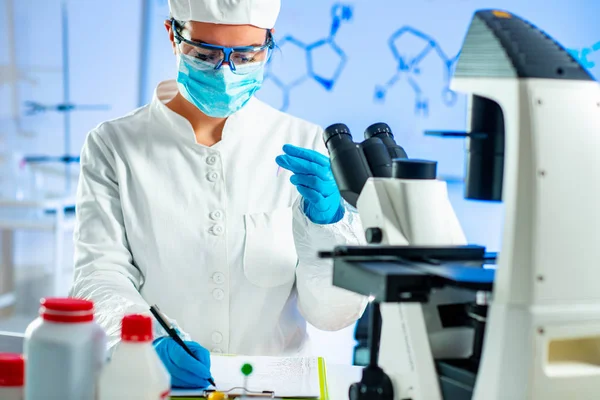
<point>136,328</point>
<point>67,310</point>
<point>12,369</point>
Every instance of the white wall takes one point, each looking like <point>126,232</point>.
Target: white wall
<point>104,47</point>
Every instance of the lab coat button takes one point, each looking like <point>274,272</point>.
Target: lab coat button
<point>216,215</point>
<point>218,278</point>
<point>218,294</point>
<point>212,176</point>
<point>217,337</point>
<point>211,160</point>
<point>218,230</point>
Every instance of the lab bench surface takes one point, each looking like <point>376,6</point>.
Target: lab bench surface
<point>339,379</point>
<point>50,214</point>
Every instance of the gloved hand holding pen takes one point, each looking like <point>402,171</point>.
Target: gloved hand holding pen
<point>186,371</point>
<point>315,182</point>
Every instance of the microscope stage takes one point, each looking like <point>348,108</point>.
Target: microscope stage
<point>409,274</point>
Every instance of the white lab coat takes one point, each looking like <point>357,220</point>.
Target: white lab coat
<point>214,236</point>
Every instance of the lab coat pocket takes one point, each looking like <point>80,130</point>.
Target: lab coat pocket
<point>269,253</point>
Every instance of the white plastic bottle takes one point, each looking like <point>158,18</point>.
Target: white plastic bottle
<point>135,372</point>
<point>64,351</point>
<point>12,376</point>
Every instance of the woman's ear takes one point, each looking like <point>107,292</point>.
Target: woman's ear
<point>169,29</point>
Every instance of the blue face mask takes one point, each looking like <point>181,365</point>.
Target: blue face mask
<point>217,93</point>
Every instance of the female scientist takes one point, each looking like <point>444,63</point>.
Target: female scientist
<point>186,203</point>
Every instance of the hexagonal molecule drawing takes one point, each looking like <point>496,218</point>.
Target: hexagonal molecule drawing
<point>410,48</point>
<point>582,55</point>
<point>309,61</point>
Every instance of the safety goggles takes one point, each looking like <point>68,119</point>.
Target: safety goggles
<point>241,60</point>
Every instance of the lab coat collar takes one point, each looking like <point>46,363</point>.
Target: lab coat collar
<point>178,126</point>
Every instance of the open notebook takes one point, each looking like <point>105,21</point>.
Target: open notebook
<point>286,377</point>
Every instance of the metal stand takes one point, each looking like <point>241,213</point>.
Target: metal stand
<point>375,384</point>
<point>66,107</point>
<point>406,276</point>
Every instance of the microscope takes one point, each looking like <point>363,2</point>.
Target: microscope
<point>449,320</point>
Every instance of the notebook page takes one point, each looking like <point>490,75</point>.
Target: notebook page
<point>296,377</point>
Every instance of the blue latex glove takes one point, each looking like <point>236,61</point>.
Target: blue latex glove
<point>315,182</point>
<point>186,372</point>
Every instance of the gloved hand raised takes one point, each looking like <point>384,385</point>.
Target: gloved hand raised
<point>315,182</point>
<point>186,372</point>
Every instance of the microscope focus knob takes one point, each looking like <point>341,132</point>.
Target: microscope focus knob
<point>374,385</point>
<point>374,235</point>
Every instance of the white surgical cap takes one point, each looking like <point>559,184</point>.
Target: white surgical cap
<point>260,13</point>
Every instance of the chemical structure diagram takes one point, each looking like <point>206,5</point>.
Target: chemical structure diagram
<point>317,57</point>
<point>582,55</point>
<point>409,66</point>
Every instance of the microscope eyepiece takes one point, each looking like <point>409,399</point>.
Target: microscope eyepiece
<point>334,130</point>
<point>348,163</point>
<point>353,163</point>
<point>383,131</point>
<point>378,157</point>
<point>378,128</point>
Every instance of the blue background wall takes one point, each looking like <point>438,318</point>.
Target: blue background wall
<point>328,78</point>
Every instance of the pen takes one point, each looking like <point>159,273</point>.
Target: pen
<point>173,333</point>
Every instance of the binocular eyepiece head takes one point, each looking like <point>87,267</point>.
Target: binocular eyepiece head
<point>353,163</point>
